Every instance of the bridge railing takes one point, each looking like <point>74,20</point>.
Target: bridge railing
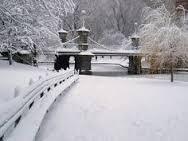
<point>12,112</point>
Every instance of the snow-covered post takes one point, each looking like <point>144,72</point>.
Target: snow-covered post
<point>62,61</point>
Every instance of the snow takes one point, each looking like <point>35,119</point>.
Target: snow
<point>135,36</point>
<point>16,76</point>
<point>123,61</point>
<point>24,52</point>
<point>83,29</point>
<point>62,31</point>
<point>87,53</point>
<point>107,106</point>
<point>126,52</point>
<point>73,49</point>
<point>119,109</point>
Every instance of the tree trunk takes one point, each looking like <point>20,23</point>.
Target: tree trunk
<point>10,57</point>
<point>172,73</point>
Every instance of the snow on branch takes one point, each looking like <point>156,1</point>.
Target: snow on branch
<point>37,21</point>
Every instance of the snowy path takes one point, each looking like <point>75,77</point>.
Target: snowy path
<point>119,109</point>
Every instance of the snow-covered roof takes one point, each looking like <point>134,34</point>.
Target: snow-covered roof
<point>62,31</point>
<point>83,29</point>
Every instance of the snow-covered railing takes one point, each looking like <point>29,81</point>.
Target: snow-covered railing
<point>12,112</point>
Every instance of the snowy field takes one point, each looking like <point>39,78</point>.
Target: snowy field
<point>117,109</point>
<point>16,76</point>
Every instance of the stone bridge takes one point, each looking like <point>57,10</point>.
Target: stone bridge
<point>83,54</point>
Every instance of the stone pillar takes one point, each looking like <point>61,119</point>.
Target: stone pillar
<point>135,66</point>
<point>65,61</point>
<point>83,60</point>
<point>135,42</point>
<point>77,63</point>
<point>85,64</point>
<point>57,64</point>
<point>83,38</point>
<point>62,61</point>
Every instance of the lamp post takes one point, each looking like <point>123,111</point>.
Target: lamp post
<point>83,33</point>
<point>135,61</point>
<point>83,60</point>
<point>135,37</point>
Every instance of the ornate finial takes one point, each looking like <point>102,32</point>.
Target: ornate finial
<point>83,28</point>
<point>136,27</point>
<point>83,12</point>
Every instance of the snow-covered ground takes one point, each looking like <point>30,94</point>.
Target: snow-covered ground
<point>118,109</point>
<point>17,76</point>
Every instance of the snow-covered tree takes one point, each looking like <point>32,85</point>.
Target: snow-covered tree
<point>112,38</point>
<point>163,40</point>
<point>106,15</point>
<point>31,22</point>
